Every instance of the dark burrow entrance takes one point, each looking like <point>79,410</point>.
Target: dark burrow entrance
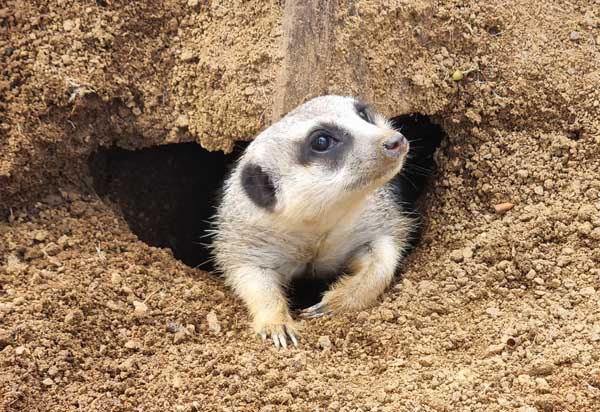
<point>167,194</point>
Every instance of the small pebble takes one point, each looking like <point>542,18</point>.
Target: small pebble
<point>493,312</point>
<point>115,278</point>
<point>48,382</point>
<point>13,265</point>
<point>74,317</point>
<point>19,350</point>
<point>182,121</point>
<point>542,385</point>
<point>181,336</point>
<point>177,382</point>
<point>457,75</point>
<point>127,364</point>
<point>68,25</point>
<point>52,371</point>
<point>213,323</point>
<point>19,300</point>
<point>574,36</point>
<point>187,56</point>
<point>457,255</point>
<point>467,253</point>
<point>40,235</point>
<point>140,309</point>
<point>52,249</point>
<point>132,344</point>
<point>174,327</point>
<point>541,367</point>
<point>324,342</point>
<point>495,349</point>
<point>554,283</point>
<point>426,361</point>
<point>501,208</point>
<point>387,315</point>
<point>587,291</point>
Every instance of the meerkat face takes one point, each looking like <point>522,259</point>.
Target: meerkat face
<point>320,159</point>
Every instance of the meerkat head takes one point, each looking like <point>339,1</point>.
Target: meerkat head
<point>320,160</point>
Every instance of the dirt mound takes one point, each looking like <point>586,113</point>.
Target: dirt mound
<point>497,310</point>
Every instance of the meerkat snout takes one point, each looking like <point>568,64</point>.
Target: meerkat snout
<point>396,146</point>
<point>313,194</point>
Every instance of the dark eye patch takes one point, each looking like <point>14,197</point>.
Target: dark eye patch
<point>334,156</point>
<point>259,186</point>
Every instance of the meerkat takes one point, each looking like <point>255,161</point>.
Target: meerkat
<point>312,195</point>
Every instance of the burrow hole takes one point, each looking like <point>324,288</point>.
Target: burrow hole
<point>167,194</point>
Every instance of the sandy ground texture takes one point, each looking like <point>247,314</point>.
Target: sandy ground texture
<point>496,310</point>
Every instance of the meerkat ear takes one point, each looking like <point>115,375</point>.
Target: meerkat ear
<point>259,186</point>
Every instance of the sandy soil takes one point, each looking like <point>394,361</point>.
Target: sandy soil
<point>494,312</point>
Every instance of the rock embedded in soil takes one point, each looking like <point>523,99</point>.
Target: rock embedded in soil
<point>74,317</point>
<point>140,309</point>
<point>324,342</point>
<point>181,336</point>
<point>502,208</point>
<point>541,367</point>
<point>542,385</point>
<point>132,344</point>
<point>68,25</point>
<point>182,121</point>
<point>40,235</point>
<point>174,327</point>
<point>127,364</point>
<point>213,323</point>
<point>495,349</point>
<point>187,56</point>
<point>14,265</point>
<point>115,279</point>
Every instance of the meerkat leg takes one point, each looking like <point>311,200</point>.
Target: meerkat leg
<point>262,292</point>
<point>372,270</point>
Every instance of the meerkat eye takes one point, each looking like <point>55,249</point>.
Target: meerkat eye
<point>321,142</point>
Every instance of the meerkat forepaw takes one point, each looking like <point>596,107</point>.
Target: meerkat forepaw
<point>340,299</point>
<point>316,311</point>
<point>279,333</point>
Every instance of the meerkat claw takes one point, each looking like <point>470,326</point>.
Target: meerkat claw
<point>316,311</point>
<point>279,336</point>
<point>293,337</point>
<point>275,338</point>
<point>282,340</point>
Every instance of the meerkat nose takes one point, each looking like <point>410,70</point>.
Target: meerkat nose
<point>395,145</point>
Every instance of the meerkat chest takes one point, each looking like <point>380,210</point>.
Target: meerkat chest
<point>331,251</point>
